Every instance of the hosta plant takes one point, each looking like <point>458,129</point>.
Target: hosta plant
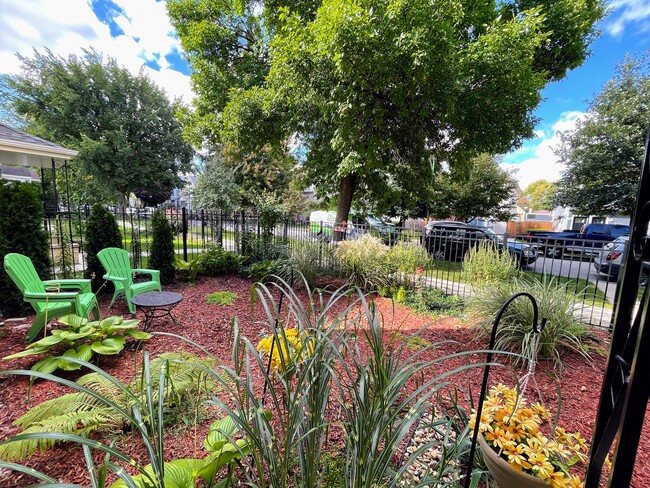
<point>514,430</point>
<point>81,340</point>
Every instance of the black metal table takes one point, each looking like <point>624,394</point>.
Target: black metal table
<point>157,304</point>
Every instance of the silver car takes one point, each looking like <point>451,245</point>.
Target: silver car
<point>610,259</point>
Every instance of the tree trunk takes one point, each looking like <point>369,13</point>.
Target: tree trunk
<point>346,191</point>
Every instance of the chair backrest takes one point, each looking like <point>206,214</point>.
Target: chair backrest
<point>116,262</point>
<point>21,270</point>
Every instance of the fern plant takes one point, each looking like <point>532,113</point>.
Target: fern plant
<point>82,412</point>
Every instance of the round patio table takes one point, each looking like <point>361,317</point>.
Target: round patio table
<point>157,304</point>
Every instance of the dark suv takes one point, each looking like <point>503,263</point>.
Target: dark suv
<point>451,240</point>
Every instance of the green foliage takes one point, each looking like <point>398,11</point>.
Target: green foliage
<point>81,339</point>
<point>100,403</point>
<point>269,213</point>
<point>64,260</point>
<point>306,258</point>
<point>21,231</point>
<point>263,271</point>
<point>365,263</point>
<point>123,125</point>
<point>407,257</point>
<point>376,91</point>
<point>538,195</point>
<point>484,190</point>
<point>136,247</point>
<point>162,255</point>
<point>431,301</point>
<point>216,188</point>
<point>187,270</point>
<point>221,298</point>
<point>217,261</point>
<point>556,303</point>
<point>101,232</point>
<point>485,265</point>
<point>604,154</point>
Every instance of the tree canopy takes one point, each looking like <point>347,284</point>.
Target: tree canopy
<point>486,191</point>
<point>538,195</point>
<point>123,125</point>
<point>377,92</point>
<point>604,154</point>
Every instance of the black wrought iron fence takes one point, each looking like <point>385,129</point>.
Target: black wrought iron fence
<point>587,268</point>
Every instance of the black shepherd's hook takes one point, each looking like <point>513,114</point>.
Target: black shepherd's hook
<point>479,410</point>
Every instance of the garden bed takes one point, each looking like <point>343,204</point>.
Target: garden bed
<point>210,325</point>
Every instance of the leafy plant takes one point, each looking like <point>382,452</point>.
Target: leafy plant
<point>187,270</point>
<point>217,261</point>
<point>556,303</point>
<point>162,255</point>
<point>221,298</point>
<point>408,256</point>
<point>262,272</point>
<point>426,301</point>
<point>81,340</point>
<point>307,259</point>
<point>100,402</point>
<point>101,232</point>
<point>486,265</point>
<point>365,263</point>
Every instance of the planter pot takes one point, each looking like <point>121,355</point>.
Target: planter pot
<point>501,471</point>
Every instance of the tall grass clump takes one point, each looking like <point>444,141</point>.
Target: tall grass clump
<point>556,303</point>
<point>408,256</point>
<point>486,265</point>
<point>307,258</point>
<point>365,263</point>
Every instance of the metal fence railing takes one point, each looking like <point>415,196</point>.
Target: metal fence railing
<point>585,268</point>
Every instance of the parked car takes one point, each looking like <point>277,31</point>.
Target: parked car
<point>452,240</point>
<point>590,239</point>
<point>373,225</point>
<point>609,262</point>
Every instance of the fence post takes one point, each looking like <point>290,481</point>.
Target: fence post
<point>184,217</point>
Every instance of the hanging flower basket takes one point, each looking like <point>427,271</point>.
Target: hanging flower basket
<point>502,472</point>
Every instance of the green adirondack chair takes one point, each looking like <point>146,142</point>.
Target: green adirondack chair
<point>47,303</point>
<point>118,269</point>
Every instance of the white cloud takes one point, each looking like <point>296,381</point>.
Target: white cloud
<point>543,163</point>
<point>627,12</point>
<point>68,26</point>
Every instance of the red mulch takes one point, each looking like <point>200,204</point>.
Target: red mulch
<point>210,326</point>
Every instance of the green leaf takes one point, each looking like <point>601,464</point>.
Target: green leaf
<point>110,345</point>
<point>83,352</point>
<point>27,352</point>
<point>138,334</point>
<point>47,365</point>
<point>225,456</point>
<point>73,336</point>
<point>74,321</point>
<point>48,341</point>
<point>219,433</point>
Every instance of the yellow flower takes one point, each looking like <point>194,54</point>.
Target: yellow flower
<point>541,466</point>
<point>574,482</point>
<point>285,350</point>
<point>516,457</point>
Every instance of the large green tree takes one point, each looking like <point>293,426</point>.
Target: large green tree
<point>538,195</point>
<point>377,91</point>
<point>486,191</point>
<point>123,125</point>
<point>604,154</point>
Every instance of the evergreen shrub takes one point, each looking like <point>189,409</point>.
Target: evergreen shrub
<point>21,231</point>
<point>162,255</point>
<point>101,232</point>
<point>217,261</point>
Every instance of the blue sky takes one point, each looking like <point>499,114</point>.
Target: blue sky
<point>138,34</point>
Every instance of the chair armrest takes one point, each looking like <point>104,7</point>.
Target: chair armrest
<point>30,296</point>
<point>82,285</point>
<point>152,272</point>
<point>111,277</point>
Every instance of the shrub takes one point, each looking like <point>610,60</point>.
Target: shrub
<point>101,232</point>
<point>307,257</point>
<point>431,301</point>
<point>187,270</point>
<point>162,255</point>
<point>264,271</point>
<point>217,261</point>
<point>487,265</point>
<point>365,263</point>
<point>408,256</point>
<point>21,231</point>
<point>556,303</point>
